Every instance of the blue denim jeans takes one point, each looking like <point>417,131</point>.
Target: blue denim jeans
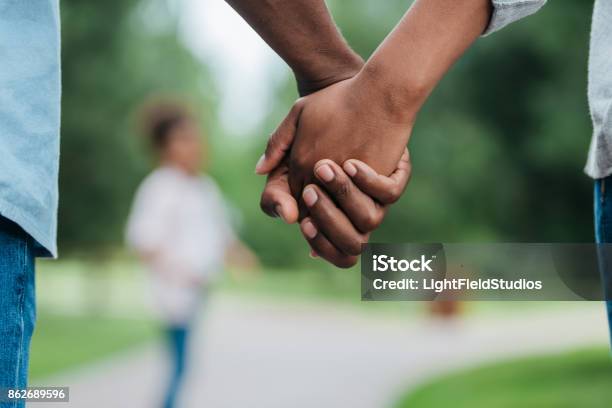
<point>17,306</point>
<point>603,233</point>
<point>177,338</point>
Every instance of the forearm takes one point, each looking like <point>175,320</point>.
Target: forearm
<point>421,49</point>
<point>304,35</point>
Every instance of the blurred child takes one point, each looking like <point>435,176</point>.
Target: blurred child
<point>179,225</point>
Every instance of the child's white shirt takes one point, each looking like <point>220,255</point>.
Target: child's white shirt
<point>182,220</point>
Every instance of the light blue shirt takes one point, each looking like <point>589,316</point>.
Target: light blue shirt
<point>30,117</point>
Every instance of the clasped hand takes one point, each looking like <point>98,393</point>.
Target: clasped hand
<point>335,164</point>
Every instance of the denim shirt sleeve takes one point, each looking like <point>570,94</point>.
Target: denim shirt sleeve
<point>506,12</point>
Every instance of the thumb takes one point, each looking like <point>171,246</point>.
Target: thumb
<point>280,141</point>
<point>276,199</point>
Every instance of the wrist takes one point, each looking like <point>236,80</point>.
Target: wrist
<point>328,69</point>
<point>400,95</point>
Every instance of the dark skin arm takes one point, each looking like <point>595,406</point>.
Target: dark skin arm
<point>304,35</point>
<point>371,115</point>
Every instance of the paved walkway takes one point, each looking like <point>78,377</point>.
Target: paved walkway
<point>267,355</point>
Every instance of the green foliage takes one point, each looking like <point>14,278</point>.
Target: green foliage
<point>579,379</point>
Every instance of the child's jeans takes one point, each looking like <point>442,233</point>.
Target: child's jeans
<point>177,338</point>
<point>603,234</point>
<point>17,308</point>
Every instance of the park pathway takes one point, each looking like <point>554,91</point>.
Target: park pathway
<point>274,355</point>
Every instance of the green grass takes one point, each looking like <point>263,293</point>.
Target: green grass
<point>579,379</point>
<point>62,342</point>
<point>330,284</point>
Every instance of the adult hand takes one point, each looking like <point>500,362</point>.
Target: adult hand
<point>351,119</point>
<point>336,228</point>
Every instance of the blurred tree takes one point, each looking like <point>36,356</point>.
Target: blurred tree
<point>115,53</point>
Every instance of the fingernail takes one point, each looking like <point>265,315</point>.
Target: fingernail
<point>350,169</point>
<point>309,230</point>
<point>279,212</point>
<point>310,196</point>
<point>313,254</point>
<point>325,173</point>
<point>260,163</point>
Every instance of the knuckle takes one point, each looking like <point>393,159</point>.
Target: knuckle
<point>393,194</point>
<point>324,211</point>
<point>361,180</point>
<point>342,190</point>
<point>372,220</point>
